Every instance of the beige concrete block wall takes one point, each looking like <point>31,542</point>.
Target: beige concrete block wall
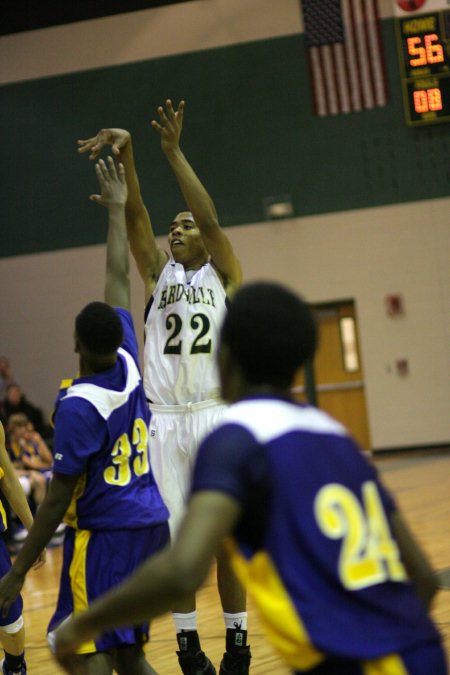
<point>364,255</point>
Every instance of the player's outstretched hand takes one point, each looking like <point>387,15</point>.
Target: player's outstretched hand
<point>170,125</point>
<point>112,183</point>
<point>117,138</point>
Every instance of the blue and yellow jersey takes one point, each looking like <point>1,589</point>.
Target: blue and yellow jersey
<point>18,450</point>
<point>314,544</point>
<point>101,435</point>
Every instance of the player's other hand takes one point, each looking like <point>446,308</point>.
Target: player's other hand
<point>117,138</point>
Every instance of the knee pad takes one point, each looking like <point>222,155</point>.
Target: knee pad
<point>13,628</point>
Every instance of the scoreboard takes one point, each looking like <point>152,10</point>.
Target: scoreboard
<point>423,42</point>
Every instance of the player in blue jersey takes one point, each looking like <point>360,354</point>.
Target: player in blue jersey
<point>185,295</point>
<point>102,482</point>
<point>341,586</point>
<point>12,631</point>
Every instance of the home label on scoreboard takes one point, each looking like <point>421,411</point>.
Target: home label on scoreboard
<point>424,53</point>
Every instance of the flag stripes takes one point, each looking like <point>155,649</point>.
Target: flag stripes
<point>345,55</point>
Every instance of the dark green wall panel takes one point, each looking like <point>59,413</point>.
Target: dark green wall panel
<point>249,132</point>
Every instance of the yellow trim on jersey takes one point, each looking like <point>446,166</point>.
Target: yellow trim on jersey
<point>77,573</point>
<point>3,517</point>
<point>2,510</point>
<point>387,665</point>
<point>15,450</point>
<point>277,613</point>
<point>70,517</point>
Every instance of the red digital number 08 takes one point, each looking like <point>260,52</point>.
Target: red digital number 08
<point>427,100</point>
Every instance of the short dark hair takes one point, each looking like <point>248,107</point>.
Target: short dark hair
<point>271,332</point>
<point>17,420</point>
<point>99,329</point>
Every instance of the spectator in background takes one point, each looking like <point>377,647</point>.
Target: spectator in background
<point>16,402</point>
<point>27,445</point>
<point>33,462</point>
<point>6,376</point>
<point>31,458</point>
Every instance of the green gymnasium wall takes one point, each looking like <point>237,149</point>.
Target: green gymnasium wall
<point>249,132</point>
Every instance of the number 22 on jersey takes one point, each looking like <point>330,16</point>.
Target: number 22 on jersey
<point>369,555</point>
<point>200,326</point>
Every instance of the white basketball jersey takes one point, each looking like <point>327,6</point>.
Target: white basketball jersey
<point>182,326</point>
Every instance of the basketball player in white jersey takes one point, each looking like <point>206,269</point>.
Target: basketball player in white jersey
<point>185,295</point>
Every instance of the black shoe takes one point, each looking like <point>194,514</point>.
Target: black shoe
<point>21,671</point>
<point>237,663</point>
<point>195,664</point>
<point>190,657</point>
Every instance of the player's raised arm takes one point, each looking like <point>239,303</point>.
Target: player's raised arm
<point>196,196</point>
<point>149,257</point>
<point>113,196</point>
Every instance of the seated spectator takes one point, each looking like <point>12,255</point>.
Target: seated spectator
<point>6,376</point>
<point>27,445</point>
<point>30,457</point>
<point>16,402</point>
<point>33,462</point>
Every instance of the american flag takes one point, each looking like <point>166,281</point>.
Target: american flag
<point>345,55</point>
